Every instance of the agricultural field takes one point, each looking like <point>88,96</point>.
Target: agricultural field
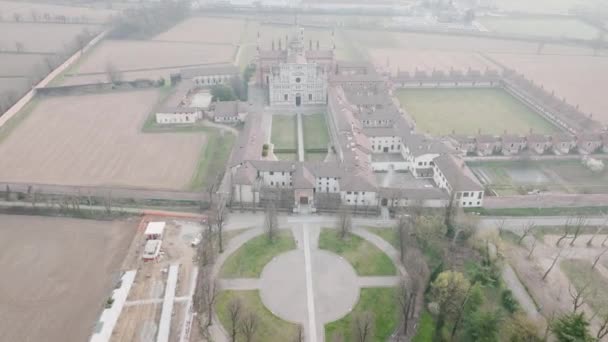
<point>541,26</point>
<point>580,80</point>
<point>542,6</point>
<point>97,140</point>
<point>367,40</point>
<point>515,177</point>
<point>428,60</point>
<point>315,131</point>
<point>21,65</point>
<point>200,30</point>
<point>73,14</point>
<point>468,111</point>
<point>128,55</point>
<point>54,40</point>
<point>284,135</point>
<point>49,286</point>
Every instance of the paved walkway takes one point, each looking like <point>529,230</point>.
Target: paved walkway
<point>319,286</point>
<point>519,292</point>
<point>300,138</point>
<point>164,325</point>
<point>109,316</point>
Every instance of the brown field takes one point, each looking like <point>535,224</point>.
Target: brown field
<point>581,80</point>
<point>205,30</point>
<point>56,275</point>
<point>410,60</point>
<point>55,36</point>
<point>97,140</point>
<point>12,64</point>
<point>134,55</point>
<point>75,14</point>
<point>413,41</point>
<point>15,84</point>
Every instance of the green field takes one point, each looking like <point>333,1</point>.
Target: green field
<point>249,260</point>
<point>382,303</point>
<point>315,131</point>
<point>287,156</point>
<point>518,177</point>
<point>270,328</point>
<point>284,132</point>
<point>466,111</point>
<point>213,159</point>
<point>367,259</point>
<point>541,26</point>
<point>315,156</point>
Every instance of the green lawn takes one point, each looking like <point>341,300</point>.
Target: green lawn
<point>426,328</point>
<point>315,156</point>
<point>366,258</point>
<point>284,134</point>
<point>315,131</point>
<point>545,27</point>
<point>249,260</point>
<point>381,302</point>
<point>287,156</point>
<point>388,234</point>
<point>579,272</point>
<point>213,159</point>
<point>465,111</point>
<point>570,176</point>
<point>270,328</point>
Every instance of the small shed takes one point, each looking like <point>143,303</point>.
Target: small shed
<point>154,230</point>
<point>151,249</point>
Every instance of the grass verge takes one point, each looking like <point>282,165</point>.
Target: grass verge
<point>270,328</point>
<point>249,260</point>
<point>426,328</point>
<point>366,258</point>
<point>381,302</point>
<point>212,160</point>
<point>568,211</point>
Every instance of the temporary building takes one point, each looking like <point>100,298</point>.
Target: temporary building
<point>152,249</point>
<point>154,231</point>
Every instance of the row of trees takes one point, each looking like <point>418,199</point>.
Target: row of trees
<point>238,88</point>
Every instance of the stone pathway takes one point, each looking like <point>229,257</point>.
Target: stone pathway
<point>307,285</point>
<point>300,138</point>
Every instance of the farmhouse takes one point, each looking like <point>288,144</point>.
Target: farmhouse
<point>229,111</point>
<point>605,142</point>
<point>463,143</point>
<point>178,115</point>
<point>487,145</point>
<point>210,75</point>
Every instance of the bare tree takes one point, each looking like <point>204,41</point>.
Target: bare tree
<point>210,290</point>
<point>559,253</point>
<point>603,328</point>
<point>566,232</point>
<point>403,233</point>
<point>407,302</point>
<point>597,232</point>
<point>604,241</point>
<point>597,259</point>
<point>363,326</point>
<point>235,308</point>
<point>221,215</point>
<point>580,223</point>
<point>299,336</point>
<point>532,249</point>
<point>249,325</point>
<point>578,297</point>
<point>19,46</point>
<point>527,228</point>
<point>271,222</point>
<point>345,221</point>
<point>113,74</point>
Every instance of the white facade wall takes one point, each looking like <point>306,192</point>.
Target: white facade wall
<point>290,81</point>
<point>327,184</point>
<point>277,179</point>
<point>245,194</point>
<point>172,118</point>
<point>470,198</point>
<point>227,119</point>
<point>360,198</point>
<point>386,144</point>
<point>211,80</point>
<point>385,166</point>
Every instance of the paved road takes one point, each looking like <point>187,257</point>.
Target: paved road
<point>546,201</point>
<point>520,293</point>
<point>300,138</point>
